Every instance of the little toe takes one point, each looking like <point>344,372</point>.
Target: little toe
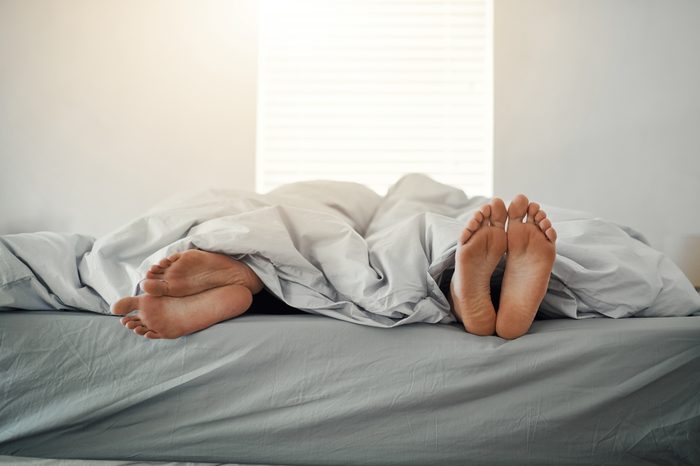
<point>551,234</point>
<point>140,330</point>
<point>518,208</point>
<point>125,305</point>
<point>532,210</point>
<point>499,214</point>
<point>156,286</point>
<point>464,236</point>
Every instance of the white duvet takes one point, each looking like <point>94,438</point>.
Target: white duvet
<point>340,250</point>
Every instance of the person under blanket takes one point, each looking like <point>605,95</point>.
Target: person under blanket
<point>192,290</point>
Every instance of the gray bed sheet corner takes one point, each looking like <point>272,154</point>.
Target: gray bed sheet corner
<point>306,389</point>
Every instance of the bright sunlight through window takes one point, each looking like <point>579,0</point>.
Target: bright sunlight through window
<point>366,91</point>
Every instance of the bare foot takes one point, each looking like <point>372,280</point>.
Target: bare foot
<point>193,271</point>
<point>168,317</point>
<point>481,246</point>
<point>529,262</point>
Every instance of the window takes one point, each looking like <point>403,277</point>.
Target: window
<point>366,91</point>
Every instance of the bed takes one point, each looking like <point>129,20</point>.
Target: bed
<point>277,386</point>
<point>352,355</point>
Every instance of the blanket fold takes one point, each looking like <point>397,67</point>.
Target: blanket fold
<point>339,249</point>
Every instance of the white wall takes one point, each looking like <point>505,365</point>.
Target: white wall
<point>597,107</point>
<point>108,106</point>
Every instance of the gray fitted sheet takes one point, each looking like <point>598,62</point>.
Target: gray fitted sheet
<point>307,389</point>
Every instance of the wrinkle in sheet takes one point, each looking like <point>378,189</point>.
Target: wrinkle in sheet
<point>351,412</point>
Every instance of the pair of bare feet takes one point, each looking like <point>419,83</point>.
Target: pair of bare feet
<point>187,292</point>
<point>193,290</point>
<point>529,248</point>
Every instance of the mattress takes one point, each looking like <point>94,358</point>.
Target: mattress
<point>279,387</point>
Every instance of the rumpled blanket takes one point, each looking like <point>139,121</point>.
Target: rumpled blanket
<point>339,249</point>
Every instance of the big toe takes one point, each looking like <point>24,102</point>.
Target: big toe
<point>518,208</point>
<point>499,214</point>
<point>125,305</point>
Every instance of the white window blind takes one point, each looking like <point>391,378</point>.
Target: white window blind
<point>366,91</point>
